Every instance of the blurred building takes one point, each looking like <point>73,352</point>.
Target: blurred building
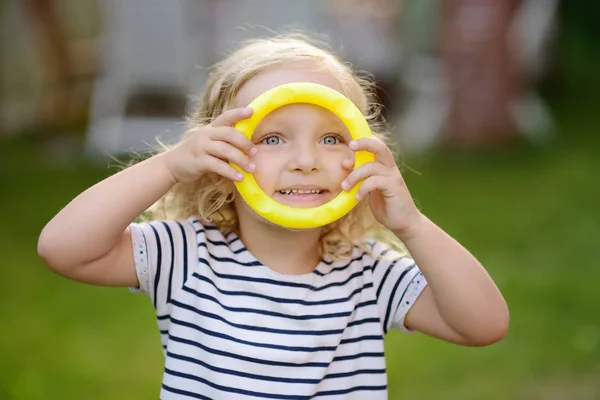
<point>457,69</point>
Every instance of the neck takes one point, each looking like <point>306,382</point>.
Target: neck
<point>283,250</point>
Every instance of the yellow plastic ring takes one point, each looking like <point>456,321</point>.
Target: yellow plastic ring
<point>303,92</point>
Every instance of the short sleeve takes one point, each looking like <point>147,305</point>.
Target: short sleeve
<point>140,254</point>
<point>398,282</point>
<point>164,252</point>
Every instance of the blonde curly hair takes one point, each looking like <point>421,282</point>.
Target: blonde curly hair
<point>210,198</point>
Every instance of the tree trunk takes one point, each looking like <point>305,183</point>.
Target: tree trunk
<point>481,71</point>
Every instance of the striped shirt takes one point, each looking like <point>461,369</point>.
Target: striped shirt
<point>232,328</point>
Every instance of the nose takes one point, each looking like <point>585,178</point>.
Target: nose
<point>305,159</point>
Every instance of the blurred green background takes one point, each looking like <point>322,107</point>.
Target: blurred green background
<point>531,214</point>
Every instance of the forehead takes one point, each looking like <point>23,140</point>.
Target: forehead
<point>280,75</point>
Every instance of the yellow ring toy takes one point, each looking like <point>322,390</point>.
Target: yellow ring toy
<point>303,92</point>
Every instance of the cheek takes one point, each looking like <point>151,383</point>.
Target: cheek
<point>335,161</point>
<point>265,172</point>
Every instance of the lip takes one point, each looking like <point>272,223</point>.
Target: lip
<point>303,187</point>
<point>304,199</point>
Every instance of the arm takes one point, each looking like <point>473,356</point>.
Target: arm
<point>89,241</point>
<point>461,303</point>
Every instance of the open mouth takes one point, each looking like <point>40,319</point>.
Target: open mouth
<point>300,192</point>
<point>302,197</point>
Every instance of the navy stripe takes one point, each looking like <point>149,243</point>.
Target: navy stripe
<point>158,263</point>
<point>234,261</point>
<point>343,267</point>
<point>239,372</point>
<point>233,390</point>
<point>185,393</point>
<point>282,300</point>
<point>363,321</point>
<point>235,239</point>
<point>380,371</point>
<point>220,243</point>
<point>383,279</point>
<point>216,244</point>
<point>209,227</point>
<point>273,313</point>
<point>361,338</point>
<point>245,358</point>
<point>272,346</point>
<point>283,283</point>
<point>204,228</point>
<point>393,294</point>
<point>379,258</point>
<point>327,262</point>
<point>248,375</point>
<point>203,243</point>
<point>359,355</point>
<point>256,328</point>
<point>254,344</point>
<point>268,362</point>
<point>171,268</point>
<point>350,390</point>
<point>185,253</point>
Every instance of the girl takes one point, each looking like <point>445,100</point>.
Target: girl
<point>247,309</point>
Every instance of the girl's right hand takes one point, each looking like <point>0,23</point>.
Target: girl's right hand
<point>211,148</point>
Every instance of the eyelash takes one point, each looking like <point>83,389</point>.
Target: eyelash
<point>335,135</point>
<point>264,140</point>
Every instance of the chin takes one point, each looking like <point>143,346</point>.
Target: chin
<point>297,230</point>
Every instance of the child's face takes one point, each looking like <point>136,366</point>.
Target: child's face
<point>303,154</point>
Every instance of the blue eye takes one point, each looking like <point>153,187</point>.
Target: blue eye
<point>272,140</point>
<point>331,139</point>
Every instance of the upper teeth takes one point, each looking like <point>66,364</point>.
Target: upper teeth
<point>301,191</point>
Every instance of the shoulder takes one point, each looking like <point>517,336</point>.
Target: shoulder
<point>374,252</point>
<point>165,233</point>
<point>367,255</point>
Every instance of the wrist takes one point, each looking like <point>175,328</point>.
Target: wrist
<point>162,161</point>
<point>165,167</point>
<point>413,230</point>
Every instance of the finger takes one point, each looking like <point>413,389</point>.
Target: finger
<point>370,185</point>
<point>223,168</point>
<point>235,138</point>
<point>230,117</point>
<point>229,153</point>
<point>377,147</point>
<point>348,164</point>
<point>361,173</point>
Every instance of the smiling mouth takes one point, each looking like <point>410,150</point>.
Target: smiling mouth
<point>300,192</point>
<point>302,197</point>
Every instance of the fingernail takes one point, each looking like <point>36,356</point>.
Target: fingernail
<point>248,111</point>
<point>253,151</point>
<point>239,176</point>
<point>358,197</point>
<point>251,166</point>
<point>345,185</point>
<point>353,144</point>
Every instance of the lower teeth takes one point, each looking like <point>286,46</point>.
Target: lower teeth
<point>300,194</point>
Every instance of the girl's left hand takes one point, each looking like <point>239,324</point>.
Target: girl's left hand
<point>389,198</point>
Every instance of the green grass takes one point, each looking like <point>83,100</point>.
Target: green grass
<point>532,216</point>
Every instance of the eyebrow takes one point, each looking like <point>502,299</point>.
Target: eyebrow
<point>333,122</point>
